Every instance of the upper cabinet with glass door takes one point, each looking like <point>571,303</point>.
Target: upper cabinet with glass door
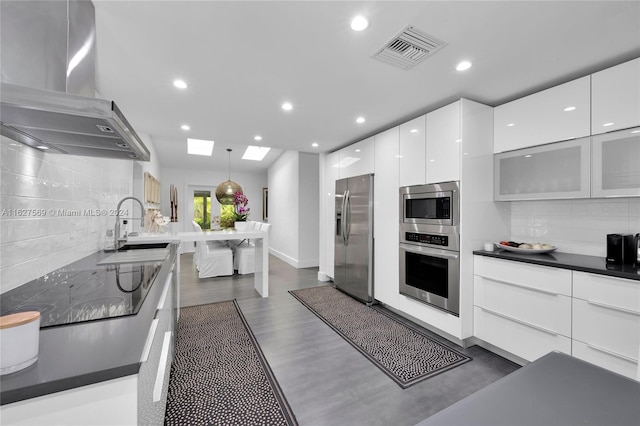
<point>556,114</point>
<point>356,159</point>
<point>615,98</point>
<point>556,170</point>
<point>615,164</point>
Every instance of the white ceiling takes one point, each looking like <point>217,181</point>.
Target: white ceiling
<point>243,59</point>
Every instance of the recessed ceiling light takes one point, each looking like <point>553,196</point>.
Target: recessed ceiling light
<point>42,147</point>
<point>257,138</point>
<point>635,131</point>
<point>357,150</point>
<point>185,127</point>
<point>315,144</point>
<point>569,108</point>
<point>359,23</point>
<point>255,153</point>
<point>463,66</point>
<point>287,106</point>
<point>180,84</point>
<point>528,156</point>
<point>511,124</point>
<point>607,124</point>
<point>360,120</point>
<point>414,130</point>
<point>199,147</point>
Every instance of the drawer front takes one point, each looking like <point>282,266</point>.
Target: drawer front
<point>554,280</point>
<point>541,308</point>
<point>612,291</point>
<point>605,359</point>
<point>517,338</point>
<point>606,328</point>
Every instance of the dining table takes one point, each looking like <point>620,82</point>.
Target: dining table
<point>259,238</point>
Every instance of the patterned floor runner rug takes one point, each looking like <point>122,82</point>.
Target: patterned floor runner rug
<point>219,374</point>
<point>404,352</point>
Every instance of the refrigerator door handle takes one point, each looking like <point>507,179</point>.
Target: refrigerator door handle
<point>342,217</point>
<point>347,213</point>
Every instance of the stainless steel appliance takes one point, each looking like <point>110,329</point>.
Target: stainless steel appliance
<point>636,244</point>
<point>353,259</point>
<point>430,244</point>
<point>47,92</point>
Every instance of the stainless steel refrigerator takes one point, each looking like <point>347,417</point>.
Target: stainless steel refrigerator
<point>353,259</point>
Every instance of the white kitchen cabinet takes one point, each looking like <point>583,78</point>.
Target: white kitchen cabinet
<point>517,337</point>
<point>357,159</point>
<point>412,152</point>
<point>443,144</point>
<point>556,114</point>
<point>557,170</point>
<point>332,173</point>
<point>606,321</point>
<point>523,309</point>
<point>386,217</point>
<point>615,163</point>
<point>615,98</point>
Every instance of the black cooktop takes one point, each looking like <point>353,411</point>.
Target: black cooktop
<point>69,295</point>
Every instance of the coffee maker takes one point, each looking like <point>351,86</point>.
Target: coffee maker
<point>622,248</point>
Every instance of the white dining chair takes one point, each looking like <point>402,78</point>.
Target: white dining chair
<point>212,260</point>
<point>244,255</point>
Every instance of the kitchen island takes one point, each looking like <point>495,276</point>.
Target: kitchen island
<point>107,369</point>
<point>556,389</point>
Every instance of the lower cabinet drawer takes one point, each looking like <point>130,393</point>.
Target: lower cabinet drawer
<point>526,341</point>
<point>542,308</point>
<point>607,327</point>
<point>606,359</point>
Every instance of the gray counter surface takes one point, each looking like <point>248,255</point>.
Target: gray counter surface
<point>575,262</point>
<point>80,354</point>
<point>556,389</point>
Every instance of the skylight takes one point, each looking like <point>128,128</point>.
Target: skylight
<point>199,147</point>
<point>255,153</point>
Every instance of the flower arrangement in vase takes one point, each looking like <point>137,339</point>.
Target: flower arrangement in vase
<point>240,209</point>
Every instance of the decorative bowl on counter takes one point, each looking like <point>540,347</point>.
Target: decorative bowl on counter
<point>526,250</point>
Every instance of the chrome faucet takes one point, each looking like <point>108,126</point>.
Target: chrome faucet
<point>116,235</point>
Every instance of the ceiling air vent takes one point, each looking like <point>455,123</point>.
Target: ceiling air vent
<point>408,48</point>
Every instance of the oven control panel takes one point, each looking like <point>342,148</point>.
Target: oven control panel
<point>435,240</point>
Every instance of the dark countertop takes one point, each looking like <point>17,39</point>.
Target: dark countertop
<point>80,354</point>
<point>575,262</point>
<point>556,389</point>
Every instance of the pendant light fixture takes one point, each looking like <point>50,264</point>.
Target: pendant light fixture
<point>226,191</point>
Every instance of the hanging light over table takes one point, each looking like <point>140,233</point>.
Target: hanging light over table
<point>225,192</point>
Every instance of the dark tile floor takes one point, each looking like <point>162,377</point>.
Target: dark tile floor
<point>327,381</point>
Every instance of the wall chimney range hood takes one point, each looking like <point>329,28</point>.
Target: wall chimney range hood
<point>47,94</point>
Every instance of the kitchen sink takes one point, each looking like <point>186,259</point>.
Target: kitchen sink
<point>142,246</point>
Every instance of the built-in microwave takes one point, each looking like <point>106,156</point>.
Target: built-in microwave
<point>432,204</point>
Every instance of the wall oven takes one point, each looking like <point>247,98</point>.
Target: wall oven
<point>430,245</point>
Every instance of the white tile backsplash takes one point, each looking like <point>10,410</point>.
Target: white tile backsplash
<point>32,244</point>
<point>575,226</point>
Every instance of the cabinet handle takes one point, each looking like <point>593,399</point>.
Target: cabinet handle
<point>538,290</point>
<point>167,284</point>
<point>615,308</point>
<point>162,366</point>
<point>544,330</point>
<point>608,352</point>
<point>149,341</point>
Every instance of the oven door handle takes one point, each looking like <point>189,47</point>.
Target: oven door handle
<point>446,254</point>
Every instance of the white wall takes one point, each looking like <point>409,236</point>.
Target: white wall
<point>309,213</point>
<point>36,237</point>
<point>575,226</point>
<point>251,183</point>
<point>294,208</point>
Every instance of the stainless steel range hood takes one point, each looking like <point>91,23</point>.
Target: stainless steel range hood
<point>48,83</point>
